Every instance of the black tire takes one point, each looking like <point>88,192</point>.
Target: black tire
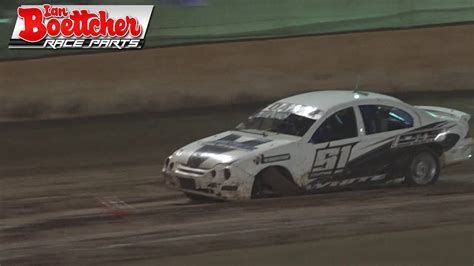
<point>423,168</point>
<point>273,182</point>
<point>260,190</point>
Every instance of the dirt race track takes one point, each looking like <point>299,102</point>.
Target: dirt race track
<point>54,176</point>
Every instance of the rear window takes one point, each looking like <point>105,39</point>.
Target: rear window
<point>382,118</point>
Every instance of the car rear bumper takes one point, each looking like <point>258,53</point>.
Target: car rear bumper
<point>461,152</point>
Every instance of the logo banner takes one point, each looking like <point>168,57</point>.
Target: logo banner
<point>81,26</point>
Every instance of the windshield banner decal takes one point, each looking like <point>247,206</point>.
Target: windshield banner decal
<point>281,110</point>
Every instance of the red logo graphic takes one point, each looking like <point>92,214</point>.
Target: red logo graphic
<point>80,26</point>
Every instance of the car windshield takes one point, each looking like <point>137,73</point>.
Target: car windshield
<point>283,118</point>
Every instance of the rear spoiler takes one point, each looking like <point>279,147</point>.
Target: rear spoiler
<point>458,115</point>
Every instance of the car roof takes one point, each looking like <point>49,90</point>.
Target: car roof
<point>325,100</point>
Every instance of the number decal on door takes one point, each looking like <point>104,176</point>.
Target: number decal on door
<point>331,160</point>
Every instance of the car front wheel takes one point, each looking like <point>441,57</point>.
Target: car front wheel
<point>424,169</point>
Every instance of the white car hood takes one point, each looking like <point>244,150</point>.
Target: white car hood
<point>228,147</point>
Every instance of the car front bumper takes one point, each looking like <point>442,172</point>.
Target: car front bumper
<point>201,182</point>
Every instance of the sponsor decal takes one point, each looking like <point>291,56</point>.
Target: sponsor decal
<point>275,158</point>
<point>422,135</point>
<point>415,138</point>
<point>345,182</point>
<point>81,26</point>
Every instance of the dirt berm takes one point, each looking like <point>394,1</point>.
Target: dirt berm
<point>219,74</point>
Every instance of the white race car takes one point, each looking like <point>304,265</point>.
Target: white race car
<point>322,140</point>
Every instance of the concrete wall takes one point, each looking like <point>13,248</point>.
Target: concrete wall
<point>219,74</point>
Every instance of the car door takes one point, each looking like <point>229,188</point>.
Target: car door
<point>382,123</point>
<point>330,148</point>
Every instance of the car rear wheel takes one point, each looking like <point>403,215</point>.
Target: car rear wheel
<point>424,169</point>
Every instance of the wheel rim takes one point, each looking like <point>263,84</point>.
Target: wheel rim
<point>423,168</point>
